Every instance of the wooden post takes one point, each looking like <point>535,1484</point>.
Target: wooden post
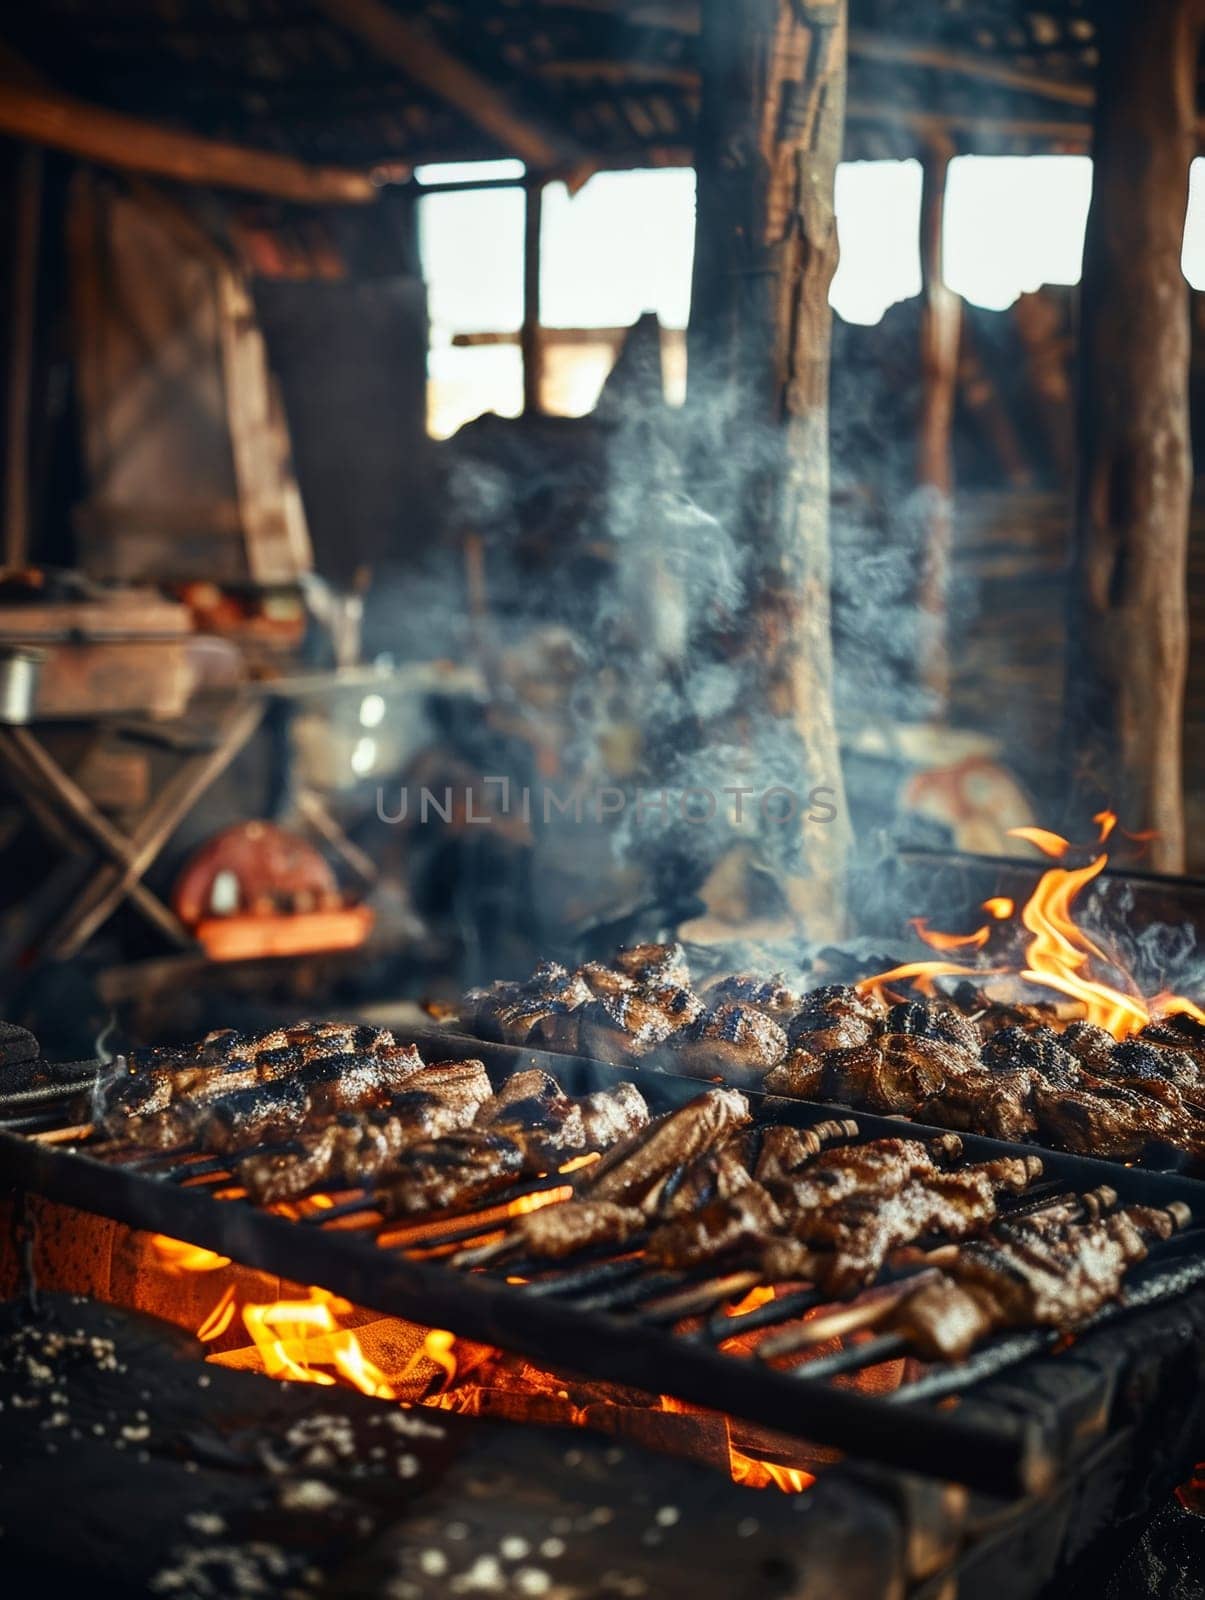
<point>529,338</point>
<point>22,312</point>
<point>770,134</point>
<point>940,326</point>
<point>1128,625</point>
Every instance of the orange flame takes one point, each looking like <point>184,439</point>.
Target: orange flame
<point>757,1474</point>
<point>1058,953</point>
<point>949,941</point>
<point>1050,844</point>
<point>219,1319</point>
<point>177,1256</point>
<point>297,1339</point>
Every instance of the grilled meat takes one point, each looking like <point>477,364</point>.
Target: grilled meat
<point>559,1231</point>
<point>1114,1119</point>
<point>611,1115</point>
<point>1054,1277</point>
<point>621,1028</point>
<point>634,1172</point>
<point>733,1042</point>
<point>897,1073</point>
<point>225,1063</point>
<point>602,980</point>
<point>846,1246</point>
<point>262,1114</point>
<point>879,1167</point>
<point>771,995</point>
<point>454,1170</point>
<point>799,1074</point>
<point>729,1224</point>
<point>661,965</point>
<point>998,1104</point>
<point>354,1151</point>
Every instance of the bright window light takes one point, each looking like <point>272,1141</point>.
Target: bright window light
<point>468,171</point>
<point>471,246</point>
<point>878,228</point>
<point>1014,223</point>
<point>621,246</point>
<point>1192,259</point>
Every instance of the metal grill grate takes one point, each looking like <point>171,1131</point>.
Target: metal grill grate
<point>617,1317</point>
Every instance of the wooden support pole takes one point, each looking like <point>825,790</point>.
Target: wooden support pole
<point>1128,622</point>
<point>44,116</point>
<point>770,137</point>
<point>530,337</point>
<point>940,326</point>
<point>23,269</point>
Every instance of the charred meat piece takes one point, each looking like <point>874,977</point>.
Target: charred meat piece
<point>611,1115</point>
<point>846,1246</point>
<point>799,1074</point>
<point>998,1104</point>
<point>771,995</point>
<point>733,1042</point>
<point>602,980</point>
<point>661,965</point>
<point>528,1095</point>
<point>932,1022</point>
<point>735,1222</point>
<point>898,1073</point>
<point>460,1085</point>
<point>452,1171</point>
<point>836,1017</point>
<point>263,1114</point>
<point>621,1028</point>
<point>1090,1044</point>
<point>1118,1117</point>
<point>1038,1049</point>
<point>1180,1029</point>
<point>1056,1277</point>
<point>1142,1058</point>
<point>634,1172</point>
<point>559,1231</point>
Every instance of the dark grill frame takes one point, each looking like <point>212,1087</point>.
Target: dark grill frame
<point>560,1322</point>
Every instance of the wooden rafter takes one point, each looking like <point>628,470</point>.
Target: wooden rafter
<point>44,116</point>
<point>412,48</point>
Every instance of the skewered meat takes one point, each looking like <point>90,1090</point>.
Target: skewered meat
<point>558,1231</point>
<point>454,1170</point>
<point>737,1221</point>
<point>1039,1050</point>
<point>836,1017</point>
<point>799,1074</point>
<point>943,1023</point>
<point>634,1172</point>
<point>611,1115</point>
<point>845,1246</point>
<point>881,1166</point>
<point>732,1041</point>
<point>1055,1277</point>
<point>771,995</point>
<point>1090,1044</point>
<point>662,965</point>
<point>225,1062</point>
<point>354,1151</point>
<point>623,1027</point>
<point>998,1104</point>
<point>715,1175</point>
<point>264,1113</point>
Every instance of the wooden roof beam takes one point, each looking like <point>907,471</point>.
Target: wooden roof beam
<point>43,116</point>
<point>413,49</point>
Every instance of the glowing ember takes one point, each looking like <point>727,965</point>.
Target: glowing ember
<point>1058,954</point>
<point>219,1319</point>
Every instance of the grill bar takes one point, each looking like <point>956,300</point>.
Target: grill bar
<point>612,1318</point>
